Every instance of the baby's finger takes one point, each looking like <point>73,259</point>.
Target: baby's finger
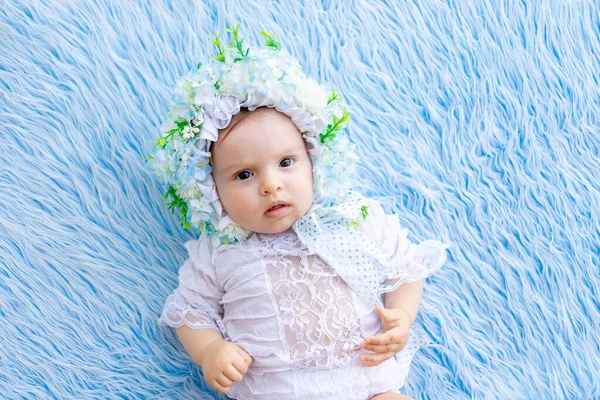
<point>383,313</point>
<point>383,338</point>
<point>247,357</point>
<point>395,323</point>
<point>384,348</point>
<point>376,357</point>
<point>224,381</point>
<point>388,314</point>
<point>220,388</point>
<point>233,374</point>
<point>241,366</point>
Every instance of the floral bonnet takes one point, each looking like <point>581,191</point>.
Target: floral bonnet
<point>205,100</point>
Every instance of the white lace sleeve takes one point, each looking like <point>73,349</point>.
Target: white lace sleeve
<point>196,301</point>
<point>408,262</point>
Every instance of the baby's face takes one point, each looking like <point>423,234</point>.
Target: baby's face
<point>262,162</point>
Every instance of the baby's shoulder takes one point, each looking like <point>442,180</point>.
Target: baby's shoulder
<point>200,247</point>
<point>200,253</point>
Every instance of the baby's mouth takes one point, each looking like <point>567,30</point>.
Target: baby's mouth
<point>276,207</point>
<point>278,210</point>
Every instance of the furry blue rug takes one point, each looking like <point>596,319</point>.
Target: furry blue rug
<point>477,122</point>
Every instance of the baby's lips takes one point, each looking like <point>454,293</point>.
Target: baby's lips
<point>282,203</point>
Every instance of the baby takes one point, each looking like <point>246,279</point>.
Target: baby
<point>298,288</point>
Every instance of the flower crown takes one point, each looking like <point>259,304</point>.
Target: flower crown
<point>205,100</point>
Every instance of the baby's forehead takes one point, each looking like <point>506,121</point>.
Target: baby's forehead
<point>258,141</point>
<point>256,147</point>
<point>263,128</point>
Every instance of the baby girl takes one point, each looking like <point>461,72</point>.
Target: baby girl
<point>298,287</point>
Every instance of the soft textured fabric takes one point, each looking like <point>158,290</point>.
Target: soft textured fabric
<point>477,122</point>
<point>368,261</point>
<point>301,322</point>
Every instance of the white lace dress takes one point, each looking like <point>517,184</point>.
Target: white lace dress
<point>293,314</point>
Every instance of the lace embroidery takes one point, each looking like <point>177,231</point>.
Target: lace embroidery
<point>316,309</point>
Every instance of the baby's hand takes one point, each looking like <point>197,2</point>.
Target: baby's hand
<point>224,363</point>
<point>396,325</point>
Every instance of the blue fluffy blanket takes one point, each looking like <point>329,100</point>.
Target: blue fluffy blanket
<point>477,122</point>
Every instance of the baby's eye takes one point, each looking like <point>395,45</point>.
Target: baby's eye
<point>286,162</point>
<point>243,175</point>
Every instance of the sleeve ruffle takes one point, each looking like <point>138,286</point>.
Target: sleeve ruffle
<point>196,301</point>
<point>407,261</point>
<point>177,313</point>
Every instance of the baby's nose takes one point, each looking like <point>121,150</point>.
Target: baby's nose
<point>272,188</point>
<point>271,184</point>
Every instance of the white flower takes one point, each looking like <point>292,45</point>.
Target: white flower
<point>191,192</point>
<point>198,119</point>
<point>201,204</point>
<point>237,79</point>
<point>204,94</point>
<point>167,126</point>
<point>312,95</point>
<point>209,72</point>
<point>189,132</point>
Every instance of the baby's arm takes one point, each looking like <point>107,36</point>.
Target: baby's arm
<point>406,298</point>
<point>401,307</point>
<point>222,362</point>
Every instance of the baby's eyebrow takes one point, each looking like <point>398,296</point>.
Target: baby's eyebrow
<point>237,166</point>
<point>248,163</point>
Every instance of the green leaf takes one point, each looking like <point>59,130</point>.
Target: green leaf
<point>234,31</point>
<point>327,136</point>
<point>345,116</point>
<point>364,210</point>
<point>334,97</point>
<point>271,42</point>
<point>219,58</point>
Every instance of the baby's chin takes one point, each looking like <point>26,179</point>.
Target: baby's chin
<point>270,227</point>
<point>279,228</point>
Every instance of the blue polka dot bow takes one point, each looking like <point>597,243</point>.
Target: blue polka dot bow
<point>334,234</point>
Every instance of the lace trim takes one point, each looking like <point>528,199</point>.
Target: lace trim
<point>176,314</point>
<point>265,244</point>
<point>421,261</point>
